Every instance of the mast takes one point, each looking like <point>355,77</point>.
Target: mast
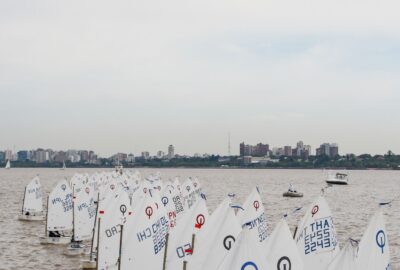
<point>120,248</point>
<point>23,202</point>
<point>94,227</point>
<point>73,213</point>
<point>97,251</point>
<point>47,216</point>
<point>165,251</point>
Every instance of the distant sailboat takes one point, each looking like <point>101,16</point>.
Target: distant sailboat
<point>8,165</point>
<point>64,166</point>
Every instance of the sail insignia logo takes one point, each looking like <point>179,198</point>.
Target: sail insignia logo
<point>284,263</point>
<point>381,240</point>
<point>249,265</point>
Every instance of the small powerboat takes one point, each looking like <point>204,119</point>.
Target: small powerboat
<point>75,249</point>
<point>338,179</point>
<point>292,192</point>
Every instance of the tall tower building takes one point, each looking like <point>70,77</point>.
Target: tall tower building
<point>171,151</point>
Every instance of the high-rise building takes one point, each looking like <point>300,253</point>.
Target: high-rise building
<point>171,151</point>
<point>145,155</point>
<point>259,150</point>
<point>287,151</point>
<point>41,156</point>
<point>160,154</point>
<point>334,150</point>
<point>23,155</point>
<point>131,158</point>
<point>328,149</point>
<point>60,156</point>
<point>84,155</point>
<point>8,155</point>
<point>2,156</point>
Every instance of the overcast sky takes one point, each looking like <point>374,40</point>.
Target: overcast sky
<point>139,75</point>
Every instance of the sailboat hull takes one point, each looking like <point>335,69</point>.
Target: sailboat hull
<point>54,240</point>
<point>88,264</point>
<point>30,218</point>
<point>336,182</point>
<point>75,251</point>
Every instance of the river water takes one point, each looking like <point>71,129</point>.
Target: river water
<point>352,205</point>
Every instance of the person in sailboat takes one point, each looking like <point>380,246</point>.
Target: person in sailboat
<point>54,234</point>
<point>292,188</point>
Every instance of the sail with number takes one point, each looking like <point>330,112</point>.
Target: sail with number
<point>180,238</point>
<point>217,239</point>
<point>84,214</point>
<point>143,241</point>
<point>281,251</point>
<point>246,254</point>
<point>59,213</point>
<point>112,212</point>
<point>33,198</point>
<point>374,252</point>
<point>316,236</point>
<point>253,216</point>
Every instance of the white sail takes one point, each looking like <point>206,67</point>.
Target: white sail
<point>246,254</point>
<point>253,216</point>
<point>59,212</point>
<point>84,214</point>
<point>346,258</point>
<point>8,165</point>
<point>33,199</point>
<point>374,252</point>
<point>281,251</point>
<point>180,239</point>
<point>316,236</point>
<point>113,213</point>
<point>143,241</point>
<point>217,239</point>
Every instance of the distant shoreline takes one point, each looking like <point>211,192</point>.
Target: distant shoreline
<point>210,167</point>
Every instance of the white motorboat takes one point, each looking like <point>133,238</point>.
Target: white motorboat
<point>338,179</point>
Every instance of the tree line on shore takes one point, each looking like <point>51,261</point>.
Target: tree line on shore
<point>349,161</point>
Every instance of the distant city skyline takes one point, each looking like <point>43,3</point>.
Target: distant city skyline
<point>140,75</point>
<point>258,149</point>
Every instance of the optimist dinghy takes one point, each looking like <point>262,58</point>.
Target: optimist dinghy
<point>32,205</point>
<point>84,214</point>
<point>59,215</point>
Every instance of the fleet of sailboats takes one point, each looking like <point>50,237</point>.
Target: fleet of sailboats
<point>126,221</point>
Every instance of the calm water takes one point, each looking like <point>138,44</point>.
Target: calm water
<point>351,205</point>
